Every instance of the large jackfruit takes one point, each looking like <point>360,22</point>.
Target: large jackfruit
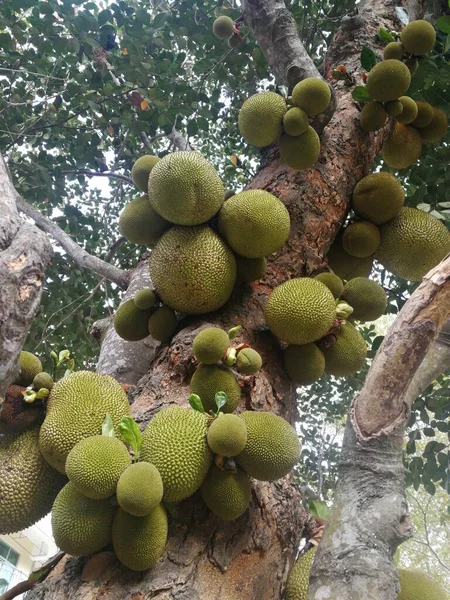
<point>226,493</point>
<point>361,239</point>
<point>333,283</point>
<point>141,224</point>
<point>403,147</point>
<point>424,114</point>
<point>295,121</point>
<point>210,345</point>
<point>300,151</point>
<point>373,116</point>
<point>348,354</point>
<point>131,322</point>
<point>437,128</point>
<point>210,379</point>
<point>304,364</point>
<point>346,266</point>
<point>388,80</point>
<point>29,366</point>
<point>312,95</point>
<point>298,582</point>
<point>415,584</point>
<point>418,37</point>
<point>261,118</point>
<point>140,489</point>
<point>227,435</point>
<point>378,197</point>
<point>366,297</point>
<point>162,324</point>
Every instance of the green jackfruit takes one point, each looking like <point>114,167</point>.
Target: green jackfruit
<point>261,119</point>
<point>393,50</point>
<point>140,489</point>
<point>193,270</point>
<point>254,223</point>
<point>76,409</point>
<point>300,311</point>
<point>295,121</point>
<point>250,269</point>
<point>403,147</point>
<point>312,95</point>
<point>302,151</point>
<point>298,582</point>
<point>366,297</point>
<point>234,41</point>
<point>227,435</point>
<point>418,37</point>
<point>388,80</point>
<point>424,114</point>
<point>185,188</point>
<point>304,364</point>
<point>140,171</point>
<point>162,324</point>
<point>333,283</point>
<point>223,27</point>
<point>437,128</point>
<point>413,243</point>
<point>412,63</point>
<point>410,110</point>
<point>394,108</point>
<point>43,380</point>
<point>415,584</point>
<point>141,224</point>
<point>361,239</point>
<point>145,299</point>
<point>248,361</point>
<point>28,485</point>
<point>210,345</point>
<point>226,493</point>
<point>272,449</point>
<point>348,354</point>
<point>373,116</point>
<point>95,464</point>
<point>346,266</point>
<point>130,322</point>
<point>81,525</point>
<point>175,442</point>
<point>378,198</point>
<point>29,366</point>
<point>210,379</point>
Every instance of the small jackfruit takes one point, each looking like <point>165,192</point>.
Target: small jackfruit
<point>348,354</point>
<point>388,80</point>
<point>415,584</point>
<point>300,310</point>
<point>227,435</point>
<point>140,171</point>
<point>234,41</point>
<point>403,147</point>
<point>226,493</point>
<point>254,223</point>
<point>302,151</point>
<point>95,464</point>
<point>272,449</point>
<point>223,27</point>
<point>378,198</point>
<point>424,114</point>
<point>346,266</point>
<point>145,299</point>
<point>210,379</point>
<point>261,119</point>
<point>437,128</point>
<point>162,324</point>
<point>43,380</point>
<point>250,269</point>
<point>295,121</point>
<point>361,239</point>
<point>366,297</point>
<point>394,108</point>
<point>29,366</point>
<point>412,63</point>
<point>312,95</point>
<point>393,50</point>
<point>130,322</point>
<point>298,582</point>
<point>373,116</point>
<point>248,361</point>
<point>210,345</point>
<point>418,37</point>
<point>409,112</point>
<point>304,364</point>
<point>140,489</point>
<point>141,224</point>
<point>333,283</point>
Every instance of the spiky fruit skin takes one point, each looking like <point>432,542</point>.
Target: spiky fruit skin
<point>378,197</point>
<point>145,299</point>
<point>409,112</point>
<point>162,324</point>
<point>140,489</point>
<point>298,582</point>
<point>261,118</point>
<point>388,80</point>
<point>437,128</point>
<point>43,380</point>
<point>28,484</point>
<point>209,346</point>
<point>76,409</point>
<point>140,171</point>
<point>248,361</point>
<point>223,27</point>
<point>254,223</point>
<point>424,114</point>
<point>193,270</point>
<point>302,151</point>
<point>295,121</point>
<point>130,322</point>
<point>393,50</point>
<point>403,147</point>
<point>227,435</point>
<point>141,224</point>
<point>413,243</point>
<point>346,266</point>
<point>250,269</point>
<point>361,239</point>
<point>226,493</point>
<point>175,442</point>
<point>312,95</point>
<point>210,379</point>
<point>333,283</point>
<point>304,364</point>
<point>81,525</point>
<point>348,354</point>
<point>373,116</point>
<point>272,447</point>
<point>366,297</point>
<point>394,108</point>
<point>30,366</point>
<point>95,464</point>
<point>415,584</point>
<point>418,37</point>
<point>300,311</point>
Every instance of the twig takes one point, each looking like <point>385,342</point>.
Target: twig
<point>35,577</point>
<point>97,174</point>
<point>113,248</point>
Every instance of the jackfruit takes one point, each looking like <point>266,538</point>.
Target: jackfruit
<point>412,63</point>
<point>333,283</point>
<point>254,223</point>
<point>227,435</point>
<point>403,147</point>
<point>145,299</point>
<point>81,525</point>
<point>76,409</point>
<point>418,37</point>
<point>248,361</point>
<point>415,584</point>
<point>210,345</point>
<point>361,239</point>
<point>393,50</point>
<point>28,485</point>
<point>29,366</point>
<point>413,243</point>
<point>140,489</point>
<point>312,95</point>
<point>378,198</point>
<point>424,114</point>
<point>366,297</point>
<point>373,116</point>
<point>388,80</point>
<point>394,108</point>
<point>175,442</point>
<point>346,266</point>
<point>140,171</point>
<point>210,379</point>
<point>130,322</point>
<point>410,110</point>
<point>162,324</point>
<point>298,582</point>
<point>272,448</point>
<point>185,188</point>
<point>43,380</point>
<point>348,354</point>
<point>295,121</point>
<point>226,493</point>
<point>223,27</point>
<point>234,41</point>
<point>141,224</point>
<point>192,269</point>
<point>95,464</point>
<point>250,269</point>
<point>261,119</point>
<point>300,310</point>
<point>302,151</point>
<point>304,364</point>
<point>437,128</point>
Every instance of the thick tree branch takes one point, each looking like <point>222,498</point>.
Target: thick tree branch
<point>9,217</point>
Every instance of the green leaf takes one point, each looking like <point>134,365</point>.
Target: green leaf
<point>192,127</point>
<point>385,36</point>
<point>63,354</point>
<point>443,24</point>
<point>196,403</point>
<point>234,332</point>
<point>108,426</point>
<point>377,342</point>
<point>368,58</point>
<point>319,509</point>
<point>220,399</point>
<point>361,94</point>
<point>131,433</point>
